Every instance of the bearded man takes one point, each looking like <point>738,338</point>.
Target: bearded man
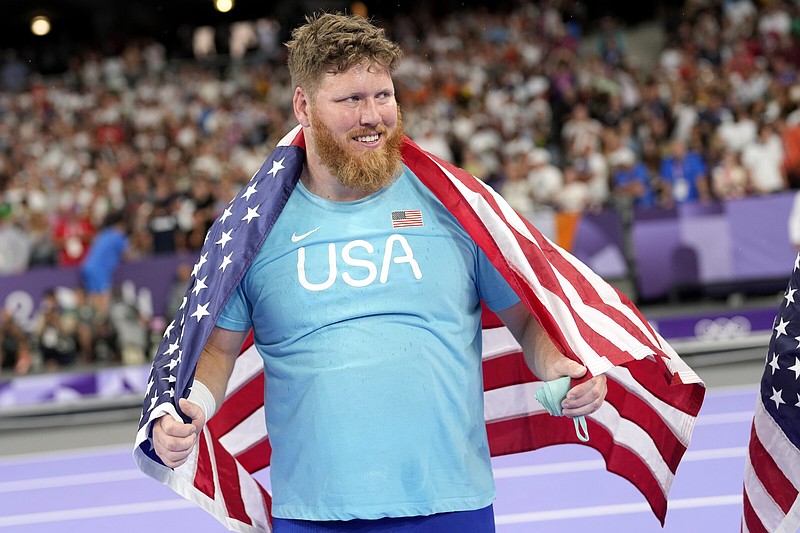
<point>365,305</point>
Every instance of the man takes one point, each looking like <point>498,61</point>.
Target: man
<point>683,176</point>
<point>763,158</point>
<point>15,243</point>
<point>630,178</point>
<point>109,247</point>
<point>358,317</point>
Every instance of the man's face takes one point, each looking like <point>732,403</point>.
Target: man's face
<point>356,128</point>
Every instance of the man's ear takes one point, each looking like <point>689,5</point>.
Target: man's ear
<point>300,103</point>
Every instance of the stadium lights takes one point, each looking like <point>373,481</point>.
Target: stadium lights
<point>223,6</point>
<point>40,25</point>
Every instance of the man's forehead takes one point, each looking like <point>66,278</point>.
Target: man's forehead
<point>372,67</point>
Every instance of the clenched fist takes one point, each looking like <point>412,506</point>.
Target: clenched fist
<point>173,440</point>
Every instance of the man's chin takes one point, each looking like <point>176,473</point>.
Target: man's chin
<point>368,179</point>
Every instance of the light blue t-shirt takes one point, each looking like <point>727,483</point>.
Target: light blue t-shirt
<point>367,316</point>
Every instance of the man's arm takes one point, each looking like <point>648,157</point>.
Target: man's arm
<point>173,440</point>
<point>547,363</point>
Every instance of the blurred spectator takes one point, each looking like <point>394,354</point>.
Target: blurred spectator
<point>87,318</point>
<point>197,212</point>
<point>109,247</point>
<point>15,244</point>
<point>43,250</point>
<point>683,176</point>
<point>763,159</point>
<point>774,25</point>
<point>72,235</point>
<point>581,132</point>
<point>672,59</point>
<point>631,181</point>
<point>495,176</point>
<point>434,142</point>
<point>268,32</point>
<point>474,164</point>
<point>740,130</point>
<point>545,178</point>
<point>516,189</point>
<point>130,328</point>
<point>611,42</point>
<point>15,349</point>
<point>729,178</point>
<point>165,235</point>
<point>56,337</point>
<point>711,114</point>
<point>574,196</point>
<point>742,58</point>
<point>105,347</point>
<point>739,13</point>
<point>14,72</point>
<point>592,167</point>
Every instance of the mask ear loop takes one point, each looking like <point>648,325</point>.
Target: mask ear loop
<point>551,394</point>
<point>581,429</point>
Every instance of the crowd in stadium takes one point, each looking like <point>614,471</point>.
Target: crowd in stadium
<point>553,117</point>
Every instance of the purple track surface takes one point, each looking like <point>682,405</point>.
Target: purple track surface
<point>559,489</point>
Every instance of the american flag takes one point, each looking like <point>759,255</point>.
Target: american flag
<point>772,468</point>
<point>642,429</point>
<point>407,218</point>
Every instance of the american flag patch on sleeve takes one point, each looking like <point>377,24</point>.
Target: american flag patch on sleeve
<point>406,218</point>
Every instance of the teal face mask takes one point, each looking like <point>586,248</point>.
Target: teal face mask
<point>551,394</point>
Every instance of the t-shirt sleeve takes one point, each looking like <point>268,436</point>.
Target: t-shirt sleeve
<point>493,289</point>
<point>236,315</point>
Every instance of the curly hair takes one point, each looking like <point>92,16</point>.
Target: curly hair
<point>334,42</point>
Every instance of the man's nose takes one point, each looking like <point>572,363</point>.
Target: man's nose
<point>369,113</point>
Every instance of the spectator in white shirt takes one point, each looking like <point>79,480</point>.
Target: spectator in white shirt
<point>763,159</point>
<point>545,179</point>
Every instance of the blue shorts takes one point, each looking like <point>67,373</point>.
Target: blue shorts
<point>95,282</point>
<point>478,521</point>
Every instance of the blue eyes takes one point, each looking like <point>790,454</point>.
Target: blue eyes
<point>356,99</point>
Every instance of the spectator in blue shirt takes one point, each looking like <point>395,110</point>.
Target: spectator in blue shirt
<point>630,178</point>
<point>98,267</point>
<point>683,176</point>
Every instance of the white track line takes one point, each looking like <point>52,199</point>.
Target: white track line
<point>610,510</point>
<point>599,464</point>
<point>71,480</point>
<point>61,455</point>
<point>94,512</point>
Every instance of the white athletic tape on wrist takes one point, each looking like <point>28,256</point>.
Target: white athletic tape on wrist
<point>203,397</point>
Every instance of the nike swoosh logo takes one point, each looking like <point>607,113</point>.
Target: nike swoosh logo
<point>297,238</point>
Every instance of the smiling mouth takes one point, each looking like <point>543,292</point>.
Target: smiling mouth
<point>368,139</point>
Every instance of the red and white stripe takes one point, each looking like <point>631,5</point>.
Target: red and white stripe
<point>641,436</point>
<point>592,320</point>
<point>771,478</point>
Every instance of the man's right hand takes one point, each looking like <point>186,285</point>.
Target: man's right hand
<point>173,440</point>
